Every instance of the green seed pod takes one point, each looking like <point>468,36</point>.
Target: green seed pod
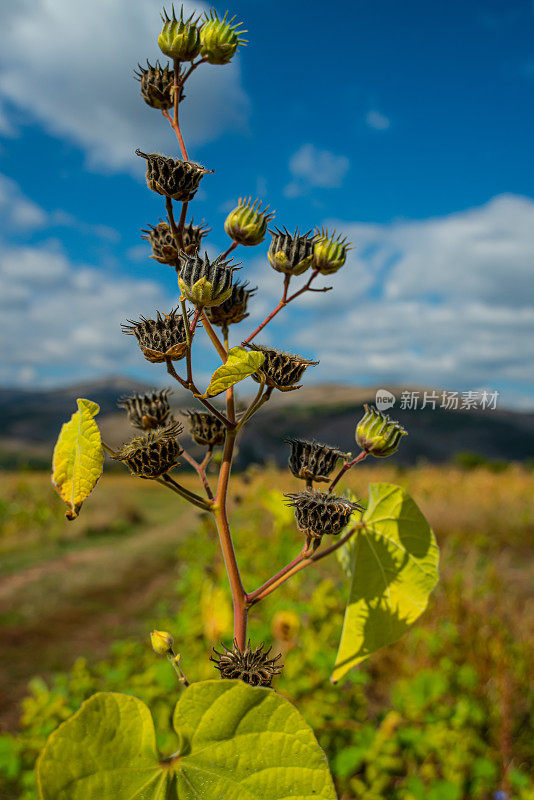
<point>247,224</point>
<point>161,642</point>
<point>329,251</point>
<point>289,253</point>
<point>206,429</point>
<point>313,461</point>
<point>153,454</point>
<point>179,38</point>
<point>205,283</point>
<point>160,338</point>
<point>157,85</point>
<point>219,38</point>
<point>320,513</point>
<point>250,666</point>
<point>147,411</point>
<point>281,370</point>
<point>377,434</point>
<point>234,309</point>
<point>171,177</point>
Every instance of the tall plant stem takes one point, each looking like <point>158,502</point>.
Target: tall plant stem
<point>230,400</point>
<point>227,546</point>
<point>218,345</point>
<point>177,91</point>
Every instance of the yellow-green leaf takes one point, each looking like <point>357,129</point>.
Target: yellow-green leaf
<point>78,457</point>
<point>394,569</point>
<point>239,365</point>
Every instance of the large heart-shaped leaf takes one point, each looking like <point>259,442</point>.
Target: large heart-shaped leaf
<point>394,567</point>
<point>236,742</point>
<point>239,365</point>
<point>78,457</point>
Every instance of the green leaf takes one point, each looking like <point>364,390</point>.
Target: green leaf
<point>78,457</point>
<point>394,569</point>
<point>239,365</point>
<point>237,742</point>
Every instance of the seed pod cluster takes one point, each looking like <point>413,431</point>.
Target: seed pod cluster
<point>157,85</point>
<point>282,370</point>
<point>204,282</point>
<point>147,411</point>
<point>172,177</point>
<point>234,308</point>
<point>320,513</point>
<point>290,253</point>
<point>160,338</point>
<point>206,429</point>
<point>377,434</point>
<point>153,454</point>
<point>252,666</point>
<point>313,461</point>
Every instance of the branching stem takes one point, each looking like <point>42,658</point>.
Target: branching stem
<point>345,468</point>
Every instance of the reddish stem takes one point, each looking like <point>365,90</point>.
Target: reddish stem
<point>200,469</point>
<point>193,388</point>
<point>345,468</point>
<point>229,250</point>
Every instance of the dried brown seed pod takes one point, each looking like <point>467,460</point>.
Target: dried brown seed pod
<point>312,460</point>
<point>152,454</point>
<point>206,429</point>
<point>319,513</point>
<point>234,309</point>
<point>252,666</point>
<point>163,244</point>
<point>147,411</point>
<point>157,85</point>
<point>160,338</point>
<point>281,370</point>
<point>172,177</point>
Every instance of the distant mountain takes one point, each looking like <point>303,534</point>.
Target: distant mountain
<point>30,421</point>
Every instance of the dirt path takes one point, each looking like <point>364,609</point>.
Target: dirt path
<point>79,603</point>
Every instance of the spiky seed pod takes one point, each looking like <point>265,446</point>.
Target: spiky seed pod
<point>180,38</point>
<point>206,429</point>
<point>205,283</point>
<point>289,253</point>
<point>219,38</point>
<point>377,434</point>
<point>281,370</point>
<point>160,338</point>
<point>247,223</point>
<point>152,454</point>
<point>234,309</point>
<point>330,251</point>
<point>171,177</point>
<point>192,236</point>
<point>157,85</point>
<point>313,461</point>
<point>147,411</point>
<point>252,666</point>
<point>319,513</point>
<point>163,245</point>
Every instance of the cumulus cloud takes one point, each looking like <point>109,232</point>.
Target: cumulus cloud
<point>314,168</point>
<point>377,120</point>
<point>71,65</point>
<point>17,211</point>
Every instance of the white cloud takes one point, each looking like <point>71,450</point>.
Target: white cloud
<point>377,120</point>
<point>314,168</point>
<point>71,65</point>
<point>16,211</point>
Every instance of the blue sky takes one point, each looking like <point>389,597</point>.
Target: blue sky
<point>408,126</point>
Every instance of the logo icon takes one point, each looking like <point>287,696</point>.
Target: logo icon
<point>384,399</point>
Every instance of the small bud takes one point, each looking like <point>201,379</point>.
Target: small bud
<point>162,643</point>
<point>179,38</point>
<point>206,429</point>
<point>251,666</point>
<point>320,513</point>
<point>290,253</point>
<point>153,454</point>
<point>281,370</point>
<point>164,248</point>
<point>157,85</point>
<point>247,224</point>
<point>234,309</point>
<point>219,38</point>
<point>313,461</point>
<point>329,252</point>
<point>377,434</point>
<point>205,283</point>
<point>147,411</point>
<point>160,338</point>
<point>171,177</point>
